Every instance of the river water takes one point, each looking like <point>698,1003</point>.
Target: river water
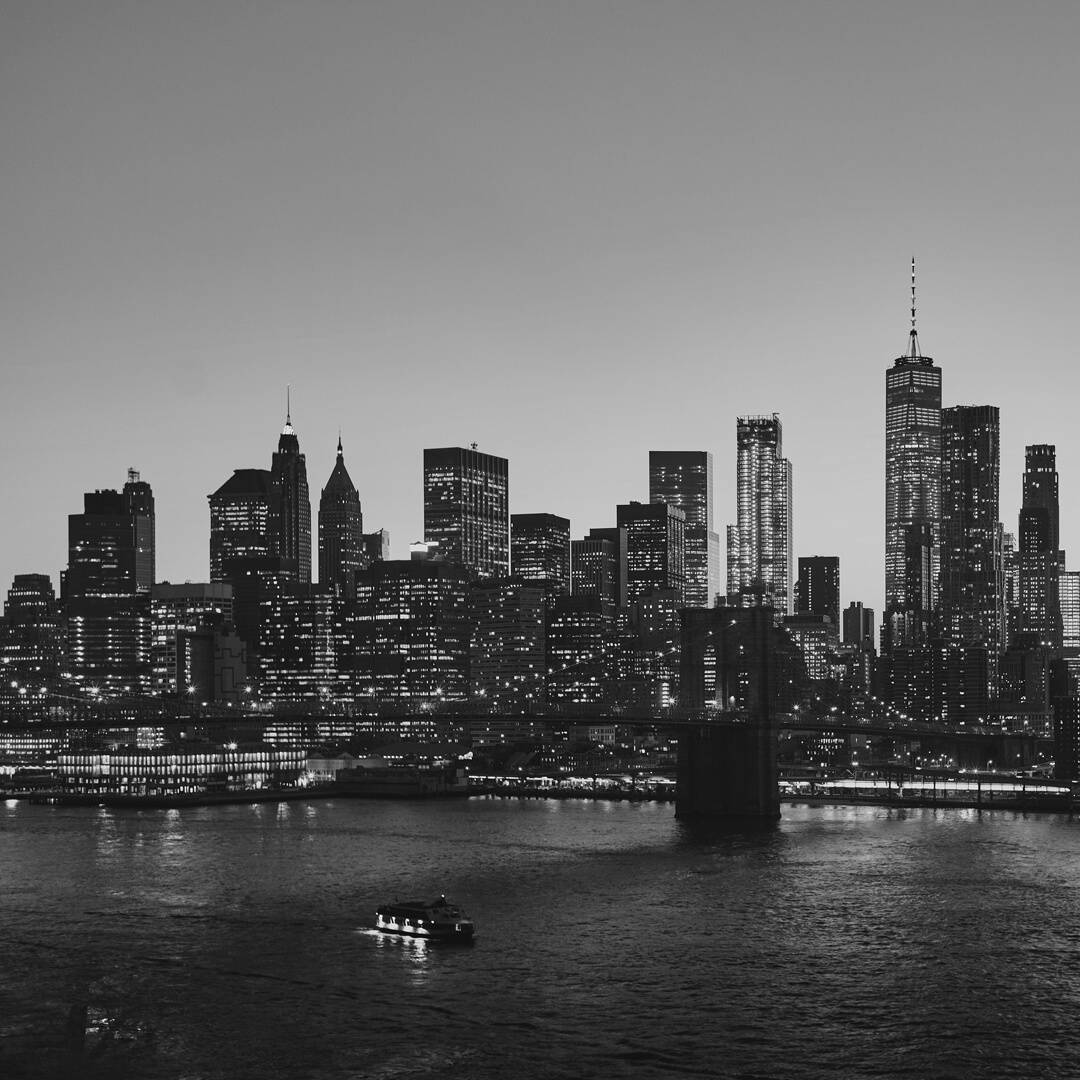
<point>612,941</point>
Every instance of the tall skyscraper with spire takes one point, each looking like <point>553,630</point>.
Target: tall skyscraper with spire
<point>341,529</point>
<point>912,493</point>
<point>760,543</point>
<point>290,513</point>
<point>1041,561</point>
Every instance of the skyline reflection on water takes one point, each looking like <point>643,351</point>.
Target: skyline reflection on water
<point>612,941</point>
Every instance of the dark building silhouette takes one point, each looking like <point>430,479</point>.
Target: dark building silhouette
<point>655,548</point>
<point>684,478</point>
<point>107,588</point>
<point>760,543</point>
<point>817,592</point>
<point>375,546</point>
<point>290,508</point>
<point>972,616</point>
<point>341,531</point>
<point>466,509</point>
<point>301,646</point>
<point>240,519</point>
<point>540,550</point>
<point>858,624</point>
<point>598,565</point>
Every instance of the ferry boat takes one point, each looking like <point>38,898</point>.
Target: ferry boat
<point>439,920</point>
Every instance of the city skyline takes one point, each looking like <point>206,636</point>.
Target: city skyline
<point>423,270</point>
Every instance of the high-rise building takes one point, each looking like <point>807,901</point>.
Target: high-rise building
<point>341,531</point>
<point>655,548</point>
<point>540,550</point>
<point>684,478</point>
<point>581,650</point>
<point>175,610</point>
<point>290,508</point>
<point>972,572</point>
<point>817,592</point>
<point>240,514</point>
<point>507,652</point>
<point>409,631</point>
<point>301,646</point>
<point>595,566</point>
<point>912,493</point>
<point>760,543</point>
<point>107,587</point>
<point>1069,599</point>
<point>858,628</point>
<point>376,546</point>
<point>31,641</point>
<point>1040,560</point>
<point>466,508</point>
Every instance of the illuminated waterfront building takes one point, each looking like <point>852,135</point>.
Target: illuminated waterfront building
<point>655,548</point>
<point>684,478</point>
<point>240,512</point>
<point>107,588</point>
<point>290,507</point>
<point>341,531</point>
<point>760,542</point>
<point>466,509</point>
<point>540,550</point>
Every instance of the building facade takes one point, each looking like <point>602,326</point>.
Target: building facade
<point>290,509</point>
<point>655,549</point>
<point>540,550</point>
<point>760,543</point>
<point>466,509</point>
<point>341,531</point>
<point>684,478</point>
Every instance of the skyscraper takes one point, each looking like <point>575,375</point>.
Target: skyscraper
<point>684,478</point>
<point>817,592</point>
<point>290,509</point>
<point>240,515</point>
<point>341,530</point>
<point>972,571</point>
<point>107,587</point>
<point>655,548</point>
<point>466,508</point>
<point>540,550</point>
<point>760,542</point>
<point>912,493</point>
<point>1040,560</point>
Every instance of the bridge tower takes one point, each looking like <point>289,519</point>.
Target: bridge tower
<point>727,766</point>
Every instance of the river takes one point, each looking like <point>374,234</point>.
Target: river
<point>613,941</point>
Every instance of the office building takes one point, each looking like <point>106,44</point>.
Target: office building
<point>107,588</point>
<point>684,478</point>
<point>581,650</point>
<point>341,531</point>
<point>466,509</point>
<point>507,649</point>
<point>240,516</point>
<point>858,625</point>
<point>972,584</point>
<point>290,507</point>
<point>760,542</point>
<point>817,592</point>
<point>912,494</point>
<point>540,551</point>
<point>176,610</point>
<point>31,642</point>
<point>655,548</point>
<point>1039,557</point>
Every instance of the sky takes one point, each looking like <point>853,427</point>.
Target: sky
<point>569,232</point>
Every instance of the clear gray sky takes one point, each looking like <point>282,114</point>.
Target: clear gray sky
<point>571,232</point>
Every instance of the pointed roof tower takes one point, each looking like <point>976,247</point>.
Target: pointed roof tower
<point>288,443</point>
<point>340,482</point>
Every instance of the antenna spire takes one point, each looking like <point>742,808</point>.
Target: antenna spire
<point>339,449</point>
<point>288,386</point>
<point>913,350</point>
